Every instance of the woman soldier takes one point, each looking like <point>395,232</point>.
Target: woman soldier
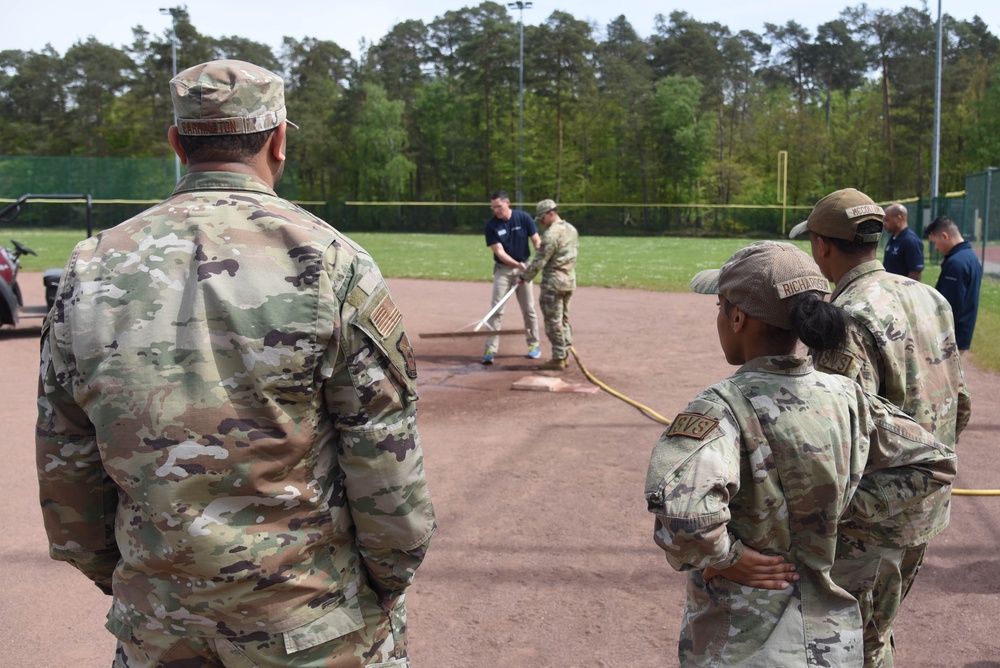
<point>749,482</point>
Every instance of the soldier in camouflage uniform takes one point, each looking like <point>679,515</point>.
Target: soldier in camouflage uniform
<point>748,482</point>
<point>226,438</point>
<point>556,258</point>
<point>901,346</point>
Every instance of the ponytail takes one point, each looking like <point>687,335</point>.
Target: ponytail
<point>818,323</point>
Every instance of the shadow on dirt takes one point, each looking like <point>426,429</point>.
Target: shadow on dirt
<point>20,333</point>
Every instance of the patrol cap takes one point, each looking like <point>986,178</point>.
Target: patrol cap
<point>838,214</point>
<point>543,208</point>
<point>760,278</point>
<point>227,97</point>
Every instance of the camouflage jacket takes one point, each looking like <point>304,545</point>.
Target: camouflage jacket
<point>556,258</point>
<point>772,457</point>
<point>901,346</point>
<point>226,437</point>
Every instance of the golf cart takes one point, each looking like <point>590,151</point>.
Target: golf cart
<point>12,307</point>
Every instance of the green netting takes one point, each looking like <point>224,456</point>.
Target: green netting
<point>102,178</point>
<point>981,219</point>
<point>123,187</point>
<point>120,187</point>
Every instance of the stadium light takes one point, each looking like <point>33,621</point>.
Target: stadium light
<point>936,159</point>
<point>520,6</point>
<point>173,53</point>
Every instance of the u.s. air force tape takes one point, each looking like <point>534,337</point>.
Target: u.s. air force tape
<point>693,425</point>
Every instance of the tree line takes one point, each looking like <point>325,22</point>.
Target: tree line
<point>691,113</point>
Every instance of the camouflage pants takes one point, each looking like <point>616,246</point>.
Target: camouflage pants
<point>880,604</point>
<point>555,312</point>
<point>379,639</point>
<point>504,278</point>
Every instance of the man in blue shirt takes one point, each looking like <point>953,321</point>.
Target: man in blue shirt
<point>961,276</point>
<point>507,235</point>
<point>904,254</point>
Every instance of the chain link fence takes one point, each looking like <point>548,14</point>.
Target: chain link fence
<point>123,187</point>
<point>119,187</point>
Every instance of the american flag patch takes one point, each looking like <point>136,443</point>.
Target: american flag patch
<point>385,317</point>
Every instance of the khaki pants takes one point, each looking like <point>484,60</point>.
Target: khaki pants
<point>504,278</point>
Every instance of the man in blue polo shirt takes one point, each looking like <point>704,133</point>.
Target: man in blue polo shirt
<point>961,276</point>
<point>507,235</point>
<point>904,254</point>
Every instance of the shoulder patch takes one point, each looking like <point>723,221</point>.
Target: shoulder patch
<point>385,317</point>
<point>692,425</point>
<point>406,350</point>
<point>838,362</point>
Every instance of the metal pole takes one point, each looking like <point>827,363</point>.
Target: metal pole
<point>521,6</point>
<point>173,50</point>
<point>936,159</point>
<point>520,115</point>
<point>783,187</point>
<point>173,54</point>
<point>986,207</point>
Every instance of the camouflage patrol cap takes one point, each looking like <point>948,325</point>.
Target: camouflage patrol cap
<point>543,208</point>
<point>760,278</point>
<point>227,97</point>
<point>838,214</point>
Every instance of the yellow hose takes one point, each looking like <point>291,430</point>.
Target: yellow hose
<point>646,410</point>
<point>653,415</point>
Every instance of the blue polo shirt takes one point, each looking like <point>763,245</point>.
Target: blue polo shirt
<point>961,276</point>
<point>514,235</point>
<point>904,253</point>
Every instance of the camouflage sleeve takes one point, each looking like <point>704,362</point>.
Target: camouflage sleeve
<point>371,393</point>
<point>906,466</point>
<point>693,472</point>
<point>78,498</point>
<point>964,406</point>
<point>859,359</point>
<point>545,252</point>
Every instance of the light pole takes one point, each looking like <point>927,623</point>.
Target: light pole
<point>936,157</point>
<point>520,6</point>
<point>173,53</point>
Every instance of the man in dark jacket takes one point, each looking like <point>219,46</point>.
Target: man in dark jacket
<point>961,276</point>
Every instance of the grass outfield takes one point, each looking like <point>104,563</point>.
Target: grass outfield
<point>663,264</point>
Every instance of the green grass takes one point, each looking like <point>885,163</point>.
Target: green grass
<point>664,264</point>
<point>53,246</point>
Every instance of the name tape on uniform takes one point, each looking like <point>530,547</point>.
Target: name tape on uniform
<point>795,286</point>
<point>864,210</point>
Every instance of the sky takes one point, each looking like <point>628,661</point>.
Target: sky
<point>30,25</point>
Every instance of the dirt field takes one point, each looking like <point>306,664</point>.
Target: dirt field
<point>544,555</point>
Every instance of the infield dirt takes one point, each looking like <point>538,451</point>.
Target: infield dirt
<point>544,554</point>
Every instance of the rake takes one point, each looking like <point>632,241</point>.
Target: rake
<point>477,325</point>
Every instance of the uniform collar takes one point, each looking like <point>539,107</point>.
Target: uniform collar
<point>869,267</point>
<point>787,365</point>
<point>221,181</point>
